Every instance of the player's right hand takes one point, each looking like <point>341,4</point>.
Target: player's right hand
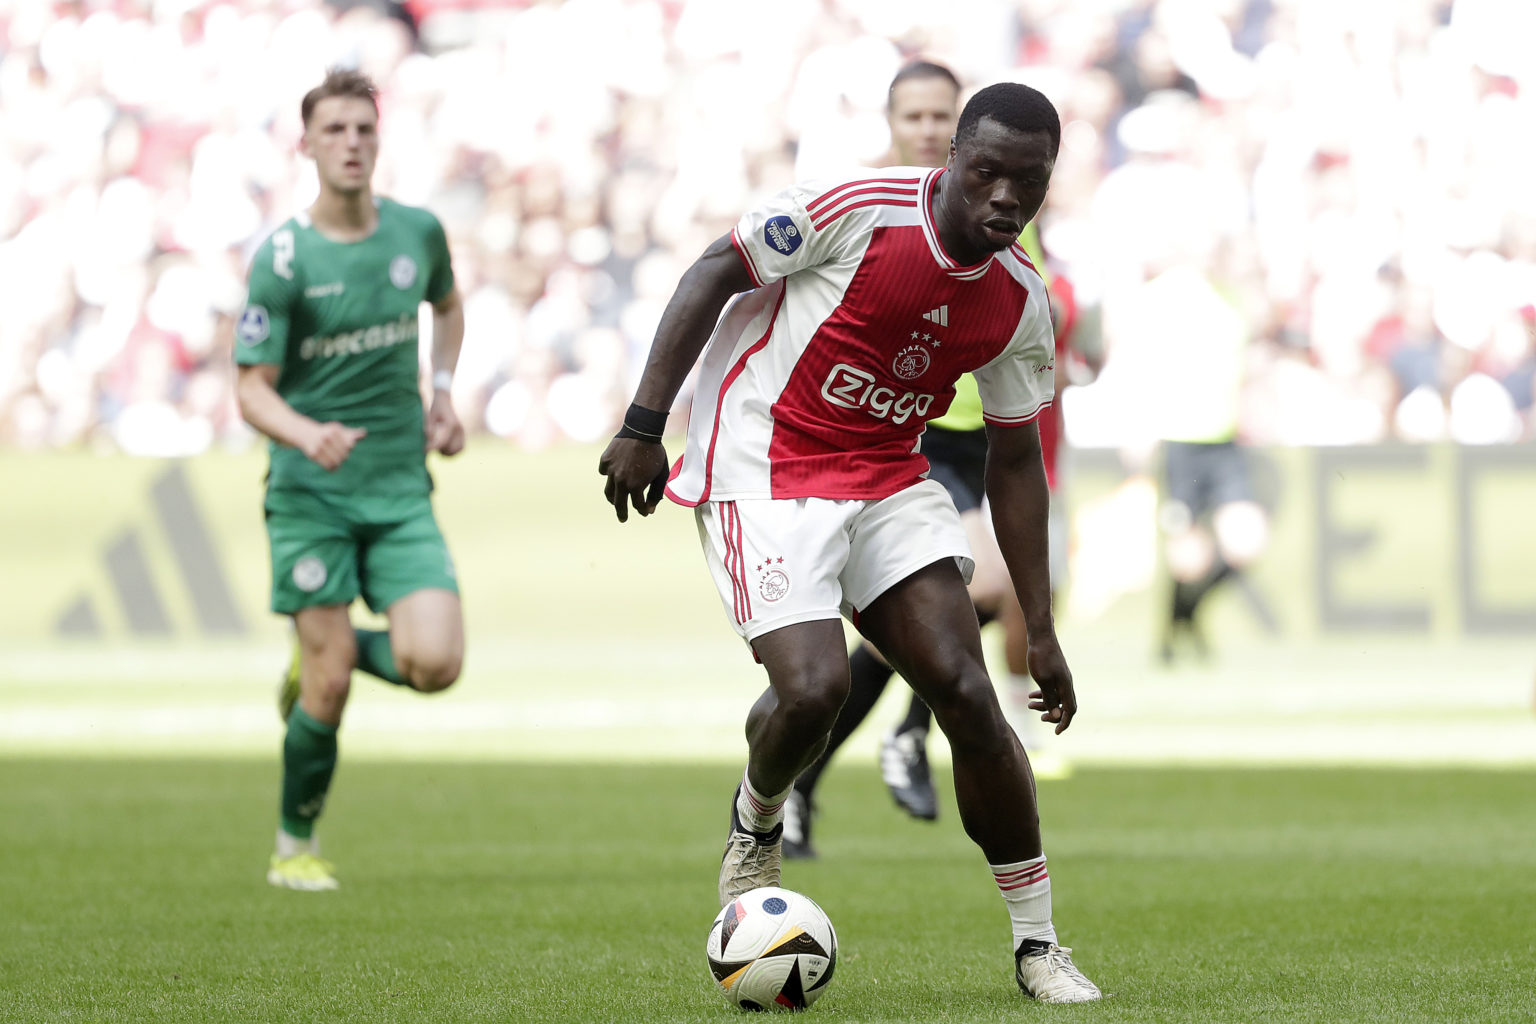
<point>329,444</point>
<point>636,472</point>
<point>1055,699</point>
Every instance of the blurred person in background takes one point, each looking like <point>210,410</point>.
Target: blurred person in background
<point>1177,335</point>
<point>327,348</point>
<point>1191,345</point>
<point>866,297</point>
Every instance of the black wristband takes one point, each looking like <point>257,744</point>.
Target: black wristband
<point>643,424</point>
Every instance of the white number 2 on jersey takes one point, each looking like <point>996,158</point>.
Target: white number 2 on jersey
<point>282,254</point>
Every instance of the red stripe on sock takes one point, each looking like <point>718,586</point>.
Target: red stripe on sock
<point>759,806</point>
<point>1005,876</point>
<point>1021,879</point>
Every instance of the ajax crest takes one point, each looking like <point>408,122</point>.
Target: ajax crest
<point>911,362</point>
<point>772,579</point>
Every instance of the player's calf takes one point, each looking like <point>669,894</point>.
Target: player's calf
<point>787,727</point>
<point>327,654</point>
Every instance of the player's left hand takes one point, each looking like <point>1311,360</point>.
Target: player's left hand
<point>1055,699</point>
<point>444,431</point>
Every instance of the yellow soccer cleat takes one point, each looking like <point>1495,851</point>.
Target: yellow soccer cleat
<point>303,871</point>
<point>288,690</point>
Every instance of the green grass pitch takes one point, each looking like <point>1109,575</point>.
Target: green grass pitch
<point>1314,827</point>
<point>133,891</point>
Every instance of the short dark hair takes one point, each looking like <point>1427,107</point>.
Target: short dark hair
<point>340,82</point>
<point>916,70</point>
<point>1014,106</point>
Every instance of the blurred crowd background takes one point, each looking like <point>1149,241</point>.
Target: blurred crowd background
<point>1354,175</point>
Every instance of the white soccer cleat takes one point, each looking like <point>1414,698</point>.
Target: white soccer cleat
<point>1045,972</point>
<point>751,859</point>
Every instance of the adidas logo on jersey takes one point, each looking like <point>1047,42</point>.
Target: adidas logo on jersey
<point>939,316</point>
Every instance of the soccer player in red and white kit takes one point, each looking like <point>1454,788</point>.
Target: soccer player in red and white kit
<point>811,494</point>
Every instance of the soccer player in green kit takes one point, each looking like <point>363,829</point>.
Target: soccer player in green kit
<point>329,371</point>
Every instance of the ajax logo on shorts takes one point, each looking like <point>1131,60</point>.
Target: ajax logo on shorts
<point>781,233</point>
<point>772,579</point>
<point>402,271</point>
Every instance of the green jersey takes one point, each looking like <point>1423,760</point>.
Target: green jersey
<point>340,320</point>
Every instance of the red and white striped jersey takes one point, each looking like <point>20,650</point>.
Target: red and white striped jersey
<point>818,382</point>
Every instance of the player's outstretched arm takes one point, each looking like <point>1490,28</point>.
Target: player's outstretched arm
<point>327,444</point>
<point>634,464</point>
<point>1020,500</point>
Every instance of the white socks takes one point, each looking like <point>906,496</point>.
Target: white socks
<point>758,812</point>
<point>1026,888</point>
<point>289,846</point>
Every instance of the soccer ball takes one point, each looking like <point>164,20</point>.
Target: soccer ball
<point>772,949</point>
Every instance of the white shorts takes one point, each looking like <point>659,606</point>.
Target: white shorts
<point>778,561</point>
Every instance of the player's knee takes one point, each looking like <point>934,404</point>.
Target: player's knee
<point>432,673</point>
<point>809,705</point>
<point>968,710</point>
<point>326,691</point>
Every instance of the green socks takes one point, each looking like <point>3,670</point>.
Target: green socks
<point>309,761</point>
<point>374,656</point>
<point>309,749</point>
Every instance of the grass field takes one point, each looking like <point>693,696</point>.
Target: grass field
<point>1313,827</point>
<point>133,891</point>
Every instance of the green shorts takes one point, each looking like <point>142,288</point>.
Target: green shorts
<point>324,554</point>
